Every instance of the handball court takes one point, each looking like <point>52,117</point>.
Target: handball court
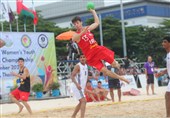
<point>142,106</point>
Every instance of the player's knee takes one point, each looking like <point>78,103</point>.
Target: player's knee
<point>83,100</point>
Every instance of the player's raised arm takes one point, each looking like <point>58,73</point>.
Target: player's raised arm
<point>96,20</point>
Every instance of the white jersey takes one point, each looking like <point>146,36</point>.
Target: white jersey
<point>168,69</point>
<point>81,79</point>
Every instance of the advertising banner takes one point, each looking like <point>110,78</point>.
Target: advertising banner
<point>132,84</point>
<point>38,51</point>
<point>142,79</point>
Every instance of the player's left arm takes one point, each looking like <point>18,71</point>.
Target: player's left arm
<point>96,20</point>
<point>23,76</point>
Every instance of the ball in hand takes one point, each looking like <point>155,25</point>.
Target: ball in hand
<point>90,5</point>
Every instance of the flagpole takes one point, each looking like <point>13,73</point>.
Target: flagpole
<point>16,17</point>
<point>25,30</point>
<point>10,27</point>
<point>34,28</point>
<point>33,10</point>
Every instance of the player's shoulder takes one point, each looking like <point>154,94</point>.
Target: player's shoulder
<point>25,69</point>
<point>77,65</point>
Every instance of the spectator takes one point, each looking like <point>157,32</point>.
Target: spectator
<point>101,92</point>
<point>89,92</point>
<point>127,62</point>
<point>73,50</point>
<point>114,84</point>
<point>149,72</point>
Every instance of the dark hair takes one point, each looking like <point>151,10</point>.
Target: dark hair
<point>99,82</point>
<point>167,38</point>
<point>79,55</point>
<point>88,81</point>
<point>76,18</point>
<point>20,59</point>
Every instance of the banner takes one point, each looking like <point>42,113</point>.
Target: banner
<point>132,84</point>
<point>38,50</point>
<point>142,79</point>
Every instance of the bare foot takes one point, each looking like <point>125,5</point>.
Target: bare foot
<point>20,109</point>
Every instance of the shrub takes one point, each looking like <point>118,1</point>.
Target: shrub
<point>37,87</point>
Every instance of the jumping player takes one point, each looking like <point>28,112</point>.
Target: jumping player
<point>23,91</point>
<point>92,51</point>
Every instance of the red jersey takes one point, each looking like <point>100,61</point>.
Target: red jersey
<point>88,44</point>
<point>93,52</point>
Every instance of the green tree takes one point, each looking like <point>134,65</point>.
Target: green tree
<point>144,41</point>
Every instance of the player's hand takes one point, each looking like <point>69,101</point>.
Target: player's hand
<point>127,81</point>
<point>92,10</point>
<point>78,86</point>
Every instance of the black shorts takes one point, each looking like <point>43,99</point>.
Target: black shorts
<point>150,79</point>
<point>114,83</point>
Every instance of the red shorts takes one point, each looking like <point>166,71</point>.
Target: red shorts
<point>20,95</point>
<point>101,53</point>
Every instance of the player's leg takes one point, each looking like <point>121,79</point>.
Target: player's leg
<point>118,87</point>
<point>111,85</point>
<point>112,94</point>
<point>24,98</point>
<point>119,94</point>
<point>152,84</point>
<point>152,87</point>
<point>14,95</point>
<point>76,110</point>
<point>113,75</point>
<point>83,107</point>
<point>27,106</point>
<point>115,64</point>
<point>147,86</point>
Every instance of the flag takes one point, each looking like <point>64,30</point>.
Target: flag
<point>11,15</point>
<point>35,14</point>
<point>21,9</point>
<point>4,12</point>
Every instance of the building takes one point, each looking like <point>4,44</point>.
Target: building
<point>136,13</point>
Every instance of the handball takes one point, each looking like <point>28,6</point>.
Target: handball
<point>90,5</point>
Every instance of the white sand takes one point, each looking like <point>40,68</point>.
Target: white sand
<point>131,106</point>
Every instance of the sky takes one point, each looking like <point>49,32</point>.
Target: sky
<point>28,3</point>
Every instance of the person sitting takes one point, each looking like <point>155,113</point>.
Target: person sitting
<point>89,92</point>
<point>101,92</point>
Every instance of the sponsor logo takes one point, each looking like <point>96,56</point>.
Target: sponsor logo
<point>43,41</point>
<point>26,41</point>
